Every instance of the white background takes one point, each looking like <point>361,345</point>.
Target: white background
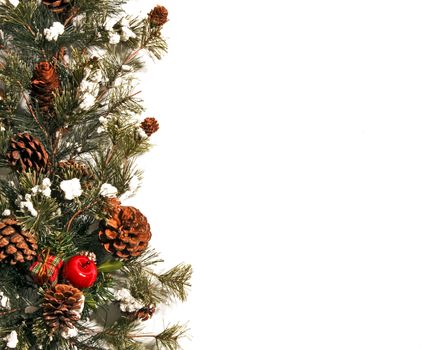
<point>300,167</point>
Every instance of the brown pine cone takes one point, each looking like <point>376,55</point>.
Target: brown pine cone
<point>27,153</point>
<point>16,245</point>
<point>150,126</point>
<point>158,16</point>
<point>57,6</point>
<point>62,306</point>
<point>77,168</point>
<point>143,314</point>
<point>43,85</point>
<point>73,168</point>
<point>126,234</point>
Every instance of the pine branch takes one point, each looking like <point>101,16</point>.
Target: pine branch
<point>170,337</point>
<point>177,280</point>
<point>144,287</point>
<point>152,41</point>
<point>100,132</point>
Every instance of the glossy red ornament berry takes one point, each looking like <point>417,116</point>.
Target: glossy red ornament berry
<point>80,271</point>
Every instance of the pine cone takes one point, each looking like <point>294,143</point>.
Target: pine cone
<point>126,234</point>
<point>57,6</point>
<point>43,85</point>
<point>73,168</point>
<point>62,306</point>
<point>158,16</point>
<point>143,314</point>
<point>16,245</point>
<point>77,168</point>
<point>150,126</point>
<point>27,153</point>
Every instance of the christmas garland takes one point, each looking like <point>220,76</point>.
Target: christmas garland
<point>76,267</point>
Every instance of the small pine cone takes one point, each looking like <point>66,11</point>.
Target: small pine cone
<point>150,126</point>
<point>16,244</point>
<point>57,6</point>
<point>143,314</point>
<point>62,306</point>
<point>74,168</point>
<point>158,16</point>
<point>126,234</point>
<point>27,153</point>
<point>43,85</point>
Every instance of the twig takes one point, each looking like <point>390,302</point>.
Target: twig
<point>77,213</point>
<point>31,110</point>
<point>8,312</point>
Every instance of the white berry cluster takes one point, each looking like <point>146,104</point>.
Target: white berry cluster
<point>25,202</point>
<point>71,188</point>
<point>108,191</point>
<point>89,87</point>
<point>12,2</point>
<point>118,30</point>
<point>127,302</point>
<point>52,33</point>
<point>103,121</point>
<point>44,188</point>
<point>4,301</point>
<point>11,340</point>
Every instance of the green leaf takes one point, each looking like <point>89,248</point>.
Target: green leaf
<point>110,266</point>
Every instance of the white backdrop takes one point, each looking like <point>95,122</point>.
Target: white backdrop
<point>300,167</point>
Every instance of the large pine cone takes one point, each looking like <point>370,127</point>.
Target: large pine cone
<point>57,6</point>
<point>43,85</point>
<point>62,306</point>
<point>126,234</point>
<point>27,153</point>
<point>16,245</point>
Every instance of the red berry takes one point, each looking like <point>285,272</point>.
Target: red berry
<point>80,271</point>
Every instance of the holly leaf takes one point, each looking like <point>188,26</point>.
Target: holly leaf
<point>110,266</point>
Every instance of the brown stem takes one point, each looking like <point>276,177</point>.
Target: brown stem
<point>30,29</point>
<point>129,57</point>
<point>132,55</point>
<point>31,110</point>
<point>142,335</point>
<point>110,154</point>
<point>8,312</point>
<point>77,213</point>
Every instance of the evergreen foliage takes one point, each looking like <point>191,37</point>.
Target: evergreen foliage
<point>90,134</point>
